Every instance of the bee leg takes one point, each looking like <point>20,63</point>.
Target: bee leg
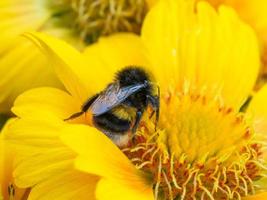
<point>85,107</point>
<point>138,117</point>
<point>75,115</point>
<point>155,105</point>
<point>152,114</point>
<point>89,102</point>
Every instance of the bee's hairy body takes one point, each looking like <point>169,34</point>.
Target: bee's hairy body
<point>116,121</point>
<point>124,112</point>
<point>124,118</point>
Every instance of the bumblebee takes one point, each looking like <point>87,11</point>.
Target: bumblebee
<point>118,109</point>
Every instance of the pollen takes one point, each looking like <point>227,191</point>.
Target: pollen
<point>90,19</point>
<point>201,149</point>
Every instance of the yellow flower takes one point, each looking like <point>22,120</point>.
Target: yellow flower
<point>206,64</point>
<point>75,21</point>
<point>254,13</point>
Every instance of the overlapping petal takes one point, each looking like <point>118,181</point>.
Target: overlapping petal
<point>8,189</point>
<point>45,99</point>
<point>17,78</point>
<point>42,158</point>
<point>259,112</point>
<point>112,53</point>
<point>68,63</point>
<point>94,69</point>
<point>36,134</point>
<point>66,185</point>
<point>203,48</point>
<point>41,113</point>
<point>252,12</point>
<point>21,63</point>
<point>108,162</point>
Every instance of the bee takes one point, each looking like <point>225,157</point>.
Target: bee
<point>118,109</point>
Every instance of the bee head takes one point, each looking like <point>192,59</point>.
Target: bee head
<point>132,75</point>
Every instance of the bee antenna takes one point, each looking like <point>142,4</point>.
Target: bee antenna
<point>75,115</point>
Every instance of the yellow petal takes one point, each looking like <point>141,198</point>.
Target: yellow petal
<point>66,185</point>
<point>42,164</point>
<point>68,62</point>
<point>7,156</point>
<point>40,154</point>
<point>92,145</point>
<point>262,196</point>
<point>5,168</point>
<point>112,53</point>
<point>22,71</point>
<point>253,12</point>
<point>204,50</point>
<point>31,135</point>
<point>18,16</point>
<point>258,110</point>
<point>49,100</point>
<point>110,189</point>
<point>98,155</point>
<point>159,34</point>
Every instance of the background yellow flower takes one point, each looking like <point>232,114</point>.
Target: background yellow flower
<point>75,21</point>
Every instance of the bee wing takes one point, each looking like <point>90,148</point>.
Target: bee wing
<point>112,97</point>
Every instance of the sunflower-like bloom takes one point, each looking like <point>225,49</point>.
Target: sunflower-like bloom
<point>253,13</point>
<point>205,63</point>
<point>78,22</point>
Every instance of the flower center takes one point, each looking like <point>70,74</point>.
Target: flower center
<point>201,150</point>
<point>93,18</point>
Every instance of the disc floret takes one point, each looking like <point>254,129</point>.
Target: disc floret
<point>91,19</point>
<point>201,150</point>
